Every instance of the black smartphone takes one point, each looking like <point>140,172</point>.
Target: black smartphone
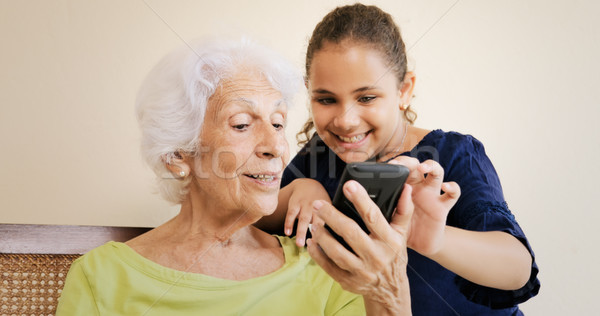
<point>383,182</point>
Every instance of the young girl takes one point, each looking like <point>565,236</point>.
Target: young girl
<point>465,258</point>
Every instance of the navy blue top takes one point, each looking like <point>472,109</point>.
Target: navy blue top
<point>481,207</point>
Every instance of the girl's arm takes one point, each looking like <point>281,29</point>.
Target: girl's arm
<point>295,202</point>
<point>493,259</point>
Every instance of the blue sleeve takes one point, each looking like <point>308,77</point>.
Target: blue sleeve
<point>493,216</point>
<point>315,161</point>
<point>481,207</point>
<point>295,169</point>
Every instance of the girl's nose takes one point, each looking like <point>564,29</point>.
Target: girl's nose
<point>348,118</point>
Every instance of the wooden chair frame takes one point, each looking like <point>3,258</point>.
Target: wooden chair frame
<point>35,259</point>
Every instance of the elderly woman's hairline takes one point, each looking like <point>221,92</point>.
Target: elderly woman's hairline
<point>173,100</point>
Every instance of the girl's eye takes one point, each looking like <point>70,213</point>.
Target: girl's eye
<point>326,101</point>
<point>366,99</point>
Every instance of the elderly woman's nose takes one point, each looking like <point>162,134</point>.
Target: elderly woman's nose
<point>271,143</point>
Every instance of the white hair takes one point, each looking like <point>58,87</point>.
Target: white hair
<point>172,100</point>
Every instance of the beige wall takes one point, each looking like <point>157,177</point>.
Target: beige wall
<point>522,76</point>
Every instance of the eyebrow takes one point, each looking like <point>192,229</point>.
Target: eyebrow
<point>361,89</point>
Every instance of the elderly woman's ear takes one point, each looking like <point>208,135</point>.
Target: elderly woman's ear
<point>177,165</point>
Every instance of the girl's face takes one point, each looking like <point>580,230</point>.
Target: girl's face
<point>355,100</point>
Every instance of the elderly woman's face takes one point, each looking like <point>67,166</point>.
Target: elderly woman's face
<point>243,149</point>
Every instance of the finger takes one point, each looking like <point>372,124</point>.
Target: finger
<point>367,209</point>
<point>316,220</point>
<point>290,218</point>
<point>341,224</point>
<point>451,192</point>
<point>404,210</point>
<point>319,256</point>
<point>300,237</point>
<point>415,176</point>
<point>303,221</point>
<point>435,173</point>
<point>342,257</point>
<point>338,222</point>
<point>408,162</point>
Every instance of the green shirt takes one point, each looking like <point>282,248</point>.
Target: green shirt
<point>113,279</point>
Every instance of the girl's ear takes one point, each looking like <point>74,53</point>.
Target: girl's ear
<point>406,89</point>
<point>177,165</point>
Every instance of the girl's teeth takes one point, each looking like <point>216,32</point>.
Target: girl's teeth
<point>352,139</point>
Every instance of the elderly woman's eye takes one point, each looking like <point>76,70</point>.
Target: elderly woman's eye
<point>240,127</point>
<point>278,126</point>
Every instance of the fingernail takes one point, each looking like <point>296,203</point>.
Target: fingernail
<point>313,228</point>
<point>317,204</point>
<point>288,231</point>
<point>300,242</point>
<point>351,187</point>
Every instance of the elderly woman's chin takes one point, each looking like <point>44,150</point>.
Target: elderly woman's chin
<point>259,194</point>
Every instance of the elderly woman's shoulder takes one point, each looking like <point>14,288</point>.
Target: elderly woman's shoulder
<point>102,255</point>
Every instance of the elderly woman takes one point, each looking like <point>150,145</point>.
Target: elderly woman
<point>212,118</point>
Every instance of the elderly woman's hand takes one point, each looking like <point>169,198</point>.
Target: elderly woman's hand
<point>377,269</point>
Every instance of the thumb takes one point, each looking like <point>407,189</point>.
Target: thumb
<point>451,192</point>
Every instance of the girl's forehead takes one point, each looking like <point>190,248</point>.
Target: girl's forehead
<point>350,55</point>
<point>349,45</point>
<point>355,64</point>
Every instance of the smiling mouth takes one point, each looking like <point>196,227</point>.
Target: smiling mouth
<point>353,139</point>
<point>262,177</point>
